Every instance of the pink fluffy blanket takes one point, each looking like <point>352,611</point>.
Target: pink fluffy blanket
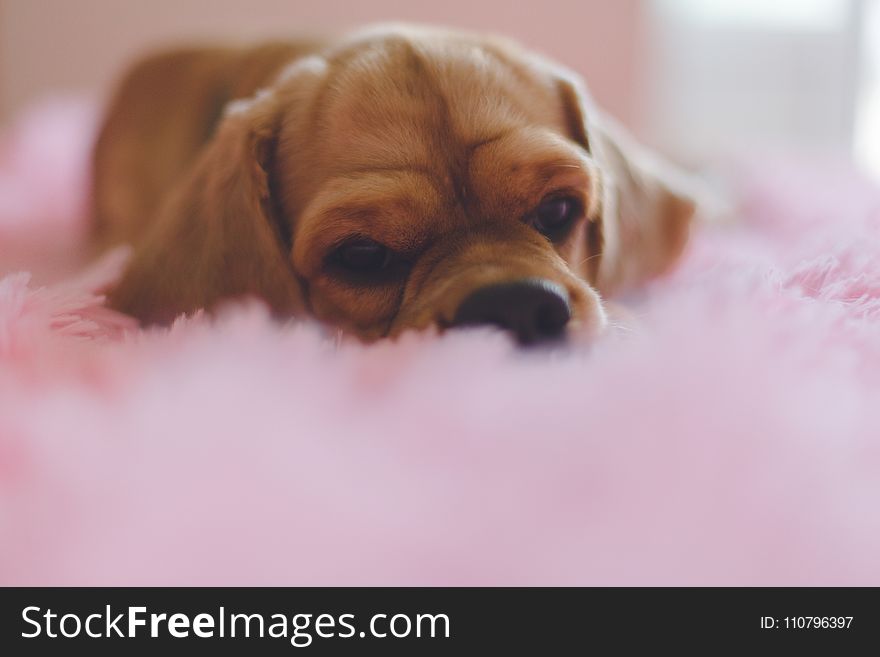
<point>732,438</point>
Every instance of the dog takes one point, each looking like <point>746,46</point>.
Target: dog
<point>399,178</point>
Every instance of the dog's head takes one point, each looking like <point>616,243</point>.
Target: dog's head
<point>410,178</point>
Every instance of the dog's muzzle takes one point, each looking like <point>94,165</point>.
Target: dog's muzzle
<point>534,310</point>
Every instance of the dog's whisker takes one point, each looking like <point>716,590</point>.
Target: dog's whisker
<point>588,258</point>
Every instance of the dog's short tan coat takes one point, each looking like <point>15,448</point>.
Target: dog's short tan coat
<point>239,171</point>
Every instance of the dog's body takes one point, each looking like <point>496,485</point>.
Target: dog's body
<point>402,178</point>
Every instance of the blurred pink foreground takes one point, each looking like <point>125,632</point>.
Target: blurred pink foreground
<point>733,438</point>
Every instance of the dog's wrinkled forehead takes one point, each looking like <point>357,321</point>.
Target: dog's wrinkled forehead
<point>409,102</point>
<point>433,133</point>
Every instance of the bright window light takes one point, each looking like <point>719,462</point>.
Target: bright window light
<point>786,14</point>
<point>867,138</point>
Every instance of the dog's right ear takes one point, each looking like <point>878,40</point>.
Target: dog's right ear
<point>219,235</point>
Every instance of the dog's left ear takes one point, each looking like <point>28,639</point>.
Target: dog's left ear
<point>646,205</point>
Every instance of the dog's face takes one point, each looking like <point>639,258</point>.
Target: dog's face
<point>418,179</point>
<point>435,169</point>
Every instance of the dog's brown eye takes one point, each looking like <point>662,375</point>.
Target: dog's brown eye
<point>554,215</point>
<point>363,255</point>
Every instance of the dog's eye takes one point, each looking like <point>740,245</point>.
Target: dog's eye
<point>554,215</point>
<point>362,256</point>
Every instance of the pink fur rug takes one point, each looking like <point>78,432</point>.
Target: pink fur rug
<point>732,438</point>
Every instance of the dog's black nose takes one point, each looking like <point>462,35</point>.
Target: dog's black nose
<point>533,309</point>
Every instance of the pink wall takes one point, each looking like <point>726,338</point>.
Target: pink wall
<point>49,46</point>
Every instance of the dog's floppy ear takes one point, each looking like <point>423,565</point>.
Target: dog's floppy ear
<point>219,235</point>
<point>646,204</point>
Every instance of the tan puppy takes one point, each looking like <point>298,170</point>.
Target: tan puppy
<point>400,179</point>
